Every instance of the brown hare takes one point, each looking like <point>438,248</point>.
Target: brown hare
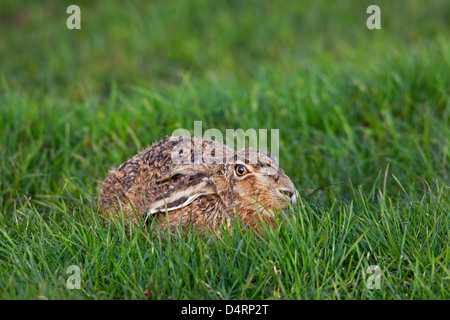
<point>184,181</point>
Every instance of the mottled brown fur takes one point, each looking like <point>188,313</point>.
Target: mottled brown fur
<point>151,184</point>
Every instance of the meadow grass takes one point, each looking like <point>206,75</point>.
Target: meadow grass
<point>364,120</point>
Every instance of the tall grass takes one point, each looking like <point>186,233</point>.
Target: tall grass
<point>364,120</point>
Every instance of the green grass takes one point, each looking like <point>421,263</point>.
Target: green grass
<point>364,120</point>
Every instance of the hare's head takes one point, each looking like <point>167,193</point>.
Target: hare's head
<point>256,181</point>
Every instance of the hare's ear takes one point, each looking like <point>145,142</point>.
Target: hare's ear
<point>191,185</point>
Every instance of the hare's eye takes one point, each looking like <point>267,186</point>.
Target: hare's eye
<point>241,170</point>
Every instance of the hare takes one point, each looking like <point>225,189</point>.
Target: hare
<point>191,181</point>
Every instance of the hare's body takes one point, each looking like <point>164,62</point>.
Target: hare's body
<point>186,181</point>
